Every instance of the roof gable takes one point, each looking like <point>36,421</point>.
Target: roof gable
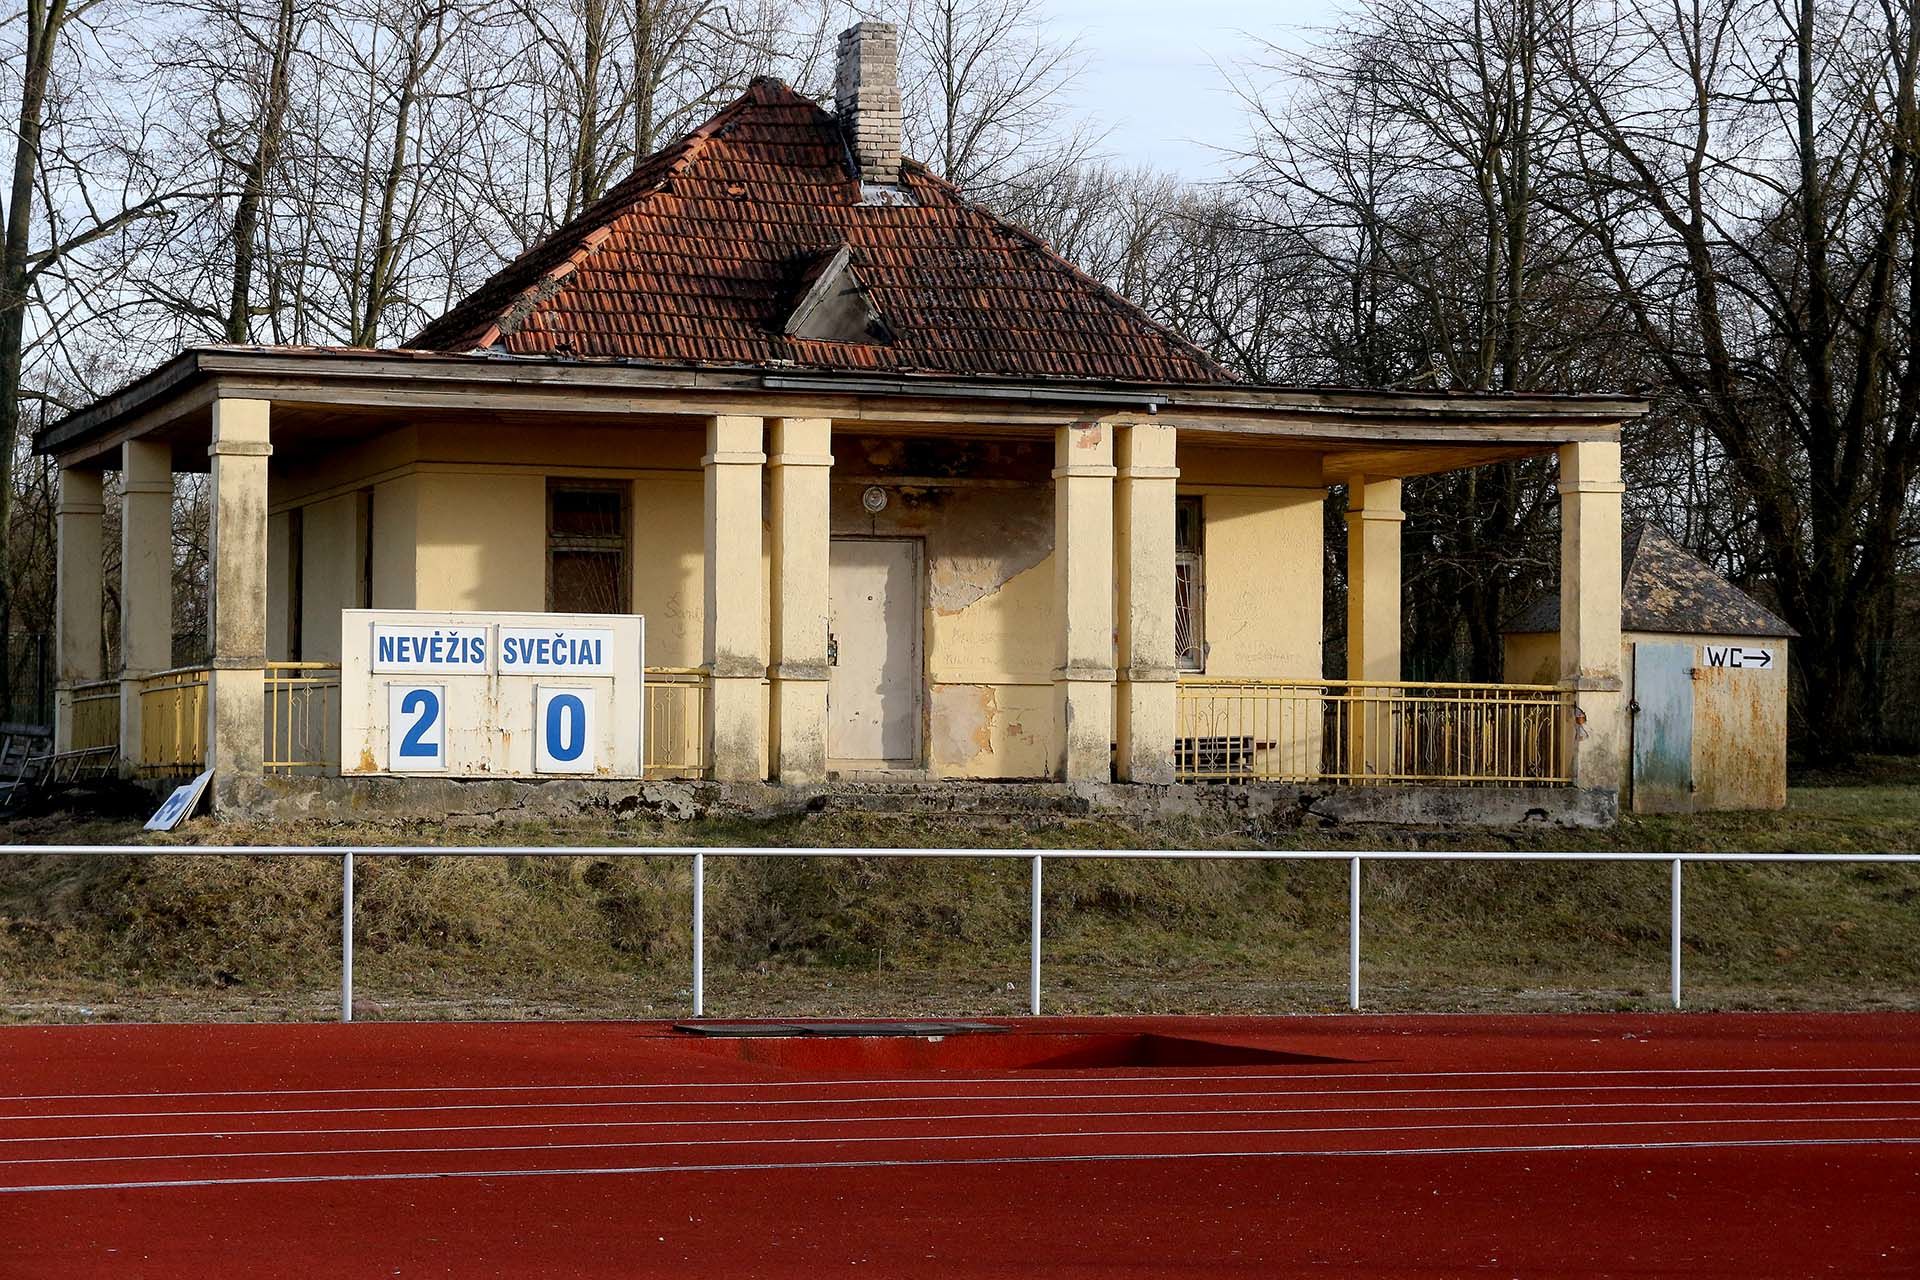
<point>1666,588</point>
<point>701,256</point>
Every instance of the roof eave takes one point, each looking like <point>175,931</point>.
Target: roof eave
<point>196,365</point>
<point>166,379</point>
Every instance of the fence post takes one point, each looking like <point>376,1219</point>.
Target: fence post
<point>1033,946</point>
<point>1674,930</point>
<point>1353,934</point>
<point>346,936</point>
<point>699,934</point>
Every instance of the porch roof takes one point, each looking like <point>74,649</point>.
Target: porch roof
<point>322,394</point>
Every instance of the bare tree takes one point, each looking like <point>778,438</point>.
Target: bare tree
<point>1407,153</point>
<point>1747,177</point>
<point>82,180</point>
<point>607,82</point>
<point>982,83</point>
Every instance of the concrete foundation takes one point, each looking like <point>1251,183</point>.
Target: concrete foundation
<point>1260,806</point>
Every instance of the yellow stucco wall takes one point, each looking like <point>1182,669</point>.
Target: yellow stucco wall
<point>1264,522</point>
<point>396,516</point>
<point>459,517</point>
<point>991,680</point>
<point>669,588</point>
<point>459,522</point>
<point>279,570</point>
<point>1531,657</point>
<point>482,541</point>
<point>1740,736</point>
<point>332,566</point>
<point>983,515</point>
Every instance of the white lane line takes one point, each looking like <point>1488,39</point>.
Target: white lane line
<point>1011,1075</point>
<point>1065,1134</point>
<point>964,1161</point>
<point>1020,1137</point>
<point>1742,1104</point>
<point>868,1100</point>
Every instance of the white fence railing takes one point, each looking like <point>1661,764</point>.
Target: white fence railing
<point>1036,858</point>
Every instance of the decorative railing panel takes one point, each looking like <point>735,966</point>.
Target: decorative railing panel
<point>96,715</point>
<point>173,723</point>
<point>303,717</point>
<point>676,709</point>
<point>1362,732</point>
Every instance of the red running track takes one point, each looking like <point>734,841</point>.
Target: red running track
<point>1704,1145</point>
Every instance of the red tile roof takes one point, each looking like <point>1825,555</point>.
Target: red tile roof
<point>700,255</point>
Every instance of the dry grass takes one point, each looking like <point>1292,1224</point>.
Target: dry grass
<point>176,937</point>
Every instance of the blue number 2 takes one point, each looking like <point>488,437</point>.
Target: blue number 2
<point>563,745</point>
<point>427,704</point>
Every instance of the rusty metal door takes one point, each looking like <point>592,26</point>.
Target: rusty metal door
<point>873,688</point>
<point>1663,728</point>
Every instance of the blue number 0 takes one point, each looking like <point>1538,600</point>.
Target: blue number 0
<point>427,704</point>
<point>561,746</point>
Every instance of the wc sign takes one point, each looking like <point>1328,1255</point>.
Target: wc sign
<point>1734,657</point>
<point>492,694</point>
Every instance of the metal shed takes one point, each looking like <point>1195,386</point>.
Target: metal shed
<point>1705,666</point>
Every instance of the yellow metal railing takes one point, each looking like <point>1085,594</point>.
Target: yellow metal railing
<point>303,720</point>
<point>1366,732</point>
<point>303,717</point>
<point>173,723</point>
<point>676,714</point>
<point>96,715</point>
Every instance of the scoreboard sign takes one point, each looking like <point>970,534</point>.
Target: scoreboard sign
<point>499,695</point>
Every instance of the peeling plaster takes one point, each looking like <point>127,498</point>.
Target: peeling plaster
<point>994,522</point>
<point>994,537</point>
<point>963,723</point>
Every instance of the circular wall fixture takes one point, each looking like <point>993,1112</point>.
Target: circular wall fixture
<point>874,499</point>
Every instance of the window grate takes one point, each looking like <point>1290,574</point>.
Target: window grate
<point>1189,585</point>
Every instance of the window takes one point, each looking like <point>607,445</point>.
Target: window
<point>1189,585</point>
<point>586,547</point>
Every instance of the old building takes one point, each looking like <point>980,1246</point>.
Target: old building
<point>897,489</point>
<point>1705,675</point>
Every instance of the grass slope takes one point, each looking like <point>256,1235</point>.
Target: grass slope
<point>174,937</point>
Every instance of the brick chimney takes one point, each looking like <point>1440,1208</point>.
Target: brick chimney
<point>866,94</point>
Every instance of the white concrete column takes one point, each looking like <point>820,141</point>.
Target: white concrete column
<point>79,594</point>
<point>798,468</point>
<point>1143,511</point>
<point>146,580</point>
<point>1590,495</point>
<point>1083,597</point>
<point>1373,578</point>
<point>236,692</point>
<point>735,631</point>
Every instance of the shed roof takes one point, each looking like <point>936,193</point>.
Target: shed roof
<point>702,254</point>
<point>1666,588</point>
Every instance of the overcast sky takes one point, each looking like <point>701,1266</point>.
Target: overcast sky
<point>1153,72</point>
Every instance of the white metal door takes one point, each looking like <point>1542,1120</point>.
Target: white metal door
<point>873,695</point>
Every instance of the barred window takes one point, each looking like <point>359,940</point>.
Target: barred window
<point>1189,585</point>
<point>586,547</point>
